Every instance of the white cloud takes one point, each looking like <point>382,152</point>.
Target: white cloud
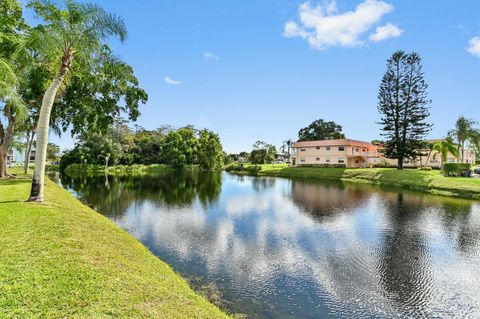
<point>385,32</point>
<point>171,81</point>
<point>323,26</point>
<point>210,56</point>
<point>474,46</point>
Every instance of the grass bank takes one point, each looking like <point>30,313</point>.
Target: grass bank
<point>61,259</point>
<point>432,182</point>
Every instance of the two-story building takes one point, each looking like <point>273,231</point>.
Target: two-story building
<point>351,153</point>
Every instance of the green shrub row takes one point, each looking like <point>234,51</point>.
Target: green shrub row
<point>239,167</point>
<point>457,169</point>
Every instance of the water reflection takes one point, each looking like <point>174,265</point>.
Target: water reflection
<point>279,248</point>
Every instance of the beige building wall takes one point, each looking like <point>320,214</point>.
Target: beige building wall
<point>352,153</point>
<point>331,152</point>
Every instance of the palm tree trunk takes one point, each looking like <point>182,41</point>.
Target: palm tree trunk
<point>29,151</point>
<point>37,191</point>
<point>38,181</point>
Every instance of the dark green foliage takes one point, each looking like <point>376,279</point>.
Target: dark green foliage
<point>403,105</point>
<point>258,156</point>
<point>98,94</point>
<point>457,169</point>
<point>177,148</point>
<point>53,152</point>
<point>321,130</point>
<point>210,151</point>
<point>239,167</point>
<point>262,153</point>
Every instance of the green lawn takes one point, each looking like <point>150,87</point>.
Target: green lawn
<point>63,260</point>
<point>428,181</point>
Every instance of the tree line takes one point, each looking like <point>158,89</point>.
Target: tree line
<point>121,145</point>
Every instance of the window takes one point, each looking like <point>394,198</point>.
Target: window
<point>318,158</point>
<point>327,160</point>
<point>357,150</point>
<point>451,160</point>
<point>328,148</point>
<point>433,161</point>
<point>318,147</point>
<point>302,160</point>
<point>341,160</point>
<point>302,149</point>
<point>341,148</point>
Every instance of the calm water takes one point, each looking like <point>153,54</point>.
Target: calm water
<point>280,248</point>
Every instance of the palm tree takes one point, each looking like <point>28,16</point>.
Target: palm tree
<point>430,149</point>
<point>13,110</point>
<point>286,148</point>
<point>75,32</point>
<point>463,131</point>
<point>444,147</point>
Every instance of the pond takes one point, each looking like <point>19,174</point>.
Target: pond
<point>283,248</point>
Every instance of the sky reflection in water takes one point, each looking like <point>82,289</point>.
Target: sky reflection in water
<point>280,248</point>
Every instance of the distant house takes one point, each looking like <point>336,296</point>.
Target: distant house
<point>17,157</point>
<point>351,153</point>
<point>354,154</point>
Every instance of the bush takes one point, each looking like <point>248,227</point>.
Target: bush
<point>457,169</point>
<point>235,167</point>
<point>253,169</point>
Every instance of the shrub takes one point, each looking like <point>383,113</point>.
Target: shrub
<point>253,169</point>
<point>457,169</point>
<point>235,167</point>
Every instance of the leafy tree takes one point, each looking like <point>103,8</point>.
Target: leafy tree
<point>172,148</point>
<point>403,105</point>
<point>444,147</point>
<point>76,31</point>
<point>464,131</point>
<point>147,147</point>
<point>210,152</point>
<point>262,153</point>
<point>53,152</point>
<point>12,107</point>
<point>321,130</point>
<point>98,95</point>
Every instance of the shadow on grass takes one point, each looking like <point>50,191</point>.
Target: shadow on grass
<point>14,181</point>
<point>9,201</point>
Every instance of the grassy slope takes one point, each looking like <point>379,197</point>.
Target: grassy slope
<point>63,260</point>
<point>429,181</point>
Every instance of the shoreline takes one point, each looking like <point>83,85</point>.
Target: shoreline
<point>431,182</point>
<point>63,259</point>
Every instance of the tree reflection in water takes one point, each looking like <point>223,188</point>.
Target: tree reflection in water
<point>113,195</point>
<point>281,248</point>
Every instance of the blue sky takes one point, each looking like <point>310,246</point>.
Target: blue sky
<point>257,70</point>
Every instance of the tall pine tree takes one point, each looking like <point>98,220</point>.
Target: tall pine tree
<point>404,107</point>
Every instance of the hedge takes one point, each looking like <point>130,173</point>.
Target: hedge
<point>457,169</point>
